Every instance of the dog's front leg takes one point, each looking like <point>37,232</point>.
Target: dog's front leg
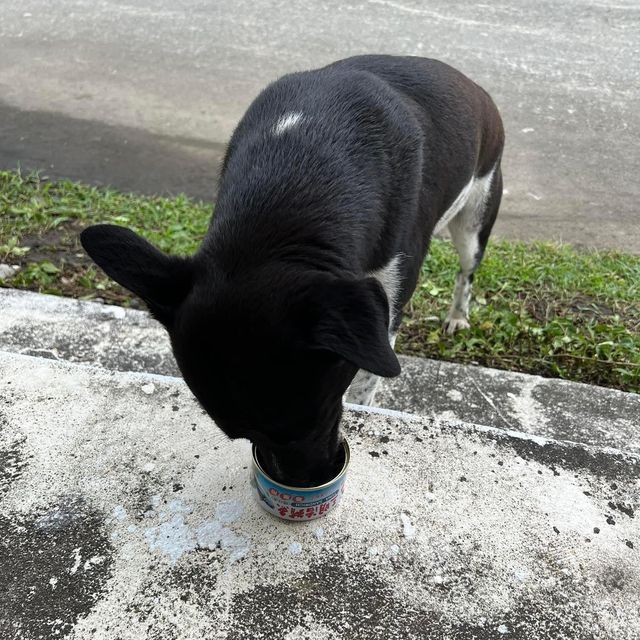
<point>364,386</point>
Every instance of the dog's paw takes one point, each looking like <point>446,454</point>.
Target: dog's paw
<point>451,325</point>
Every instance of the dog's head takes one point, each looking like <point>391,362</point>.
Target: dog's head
<point>268,351</point>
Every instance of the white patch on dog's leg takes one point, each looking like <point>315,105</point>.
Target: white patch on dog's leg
<point>389,277</point>
<point>456,206</point>
<point>458,316</point>
<point>464,229</point>
<point>363,388</point>
<point>287,121</point>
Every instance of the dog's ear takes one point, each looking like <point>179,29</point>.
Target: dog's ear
<point>351,318</point>
<point>162,281</point>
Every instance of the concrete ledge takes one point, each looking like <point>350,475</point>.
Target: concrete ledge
<point>129,340</point>
<point>124,513</point>
<point>548,407</point>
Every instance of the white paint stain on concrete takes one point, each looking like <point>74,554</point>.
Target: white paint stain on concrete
<point>172,538</point>
<point>209,534</point>
<point>148,388</point>
<point>229,511</point>
<point>119,513</point>
<point>77,560</point>
<point>295,548</point>
<point>117,312</point>
<point>503,629</point>
<point>527,410</point>
<point>92,562</point>
<point>178,506</point>
<point>408,529</point>
<point>213,534</point>
<point>455,395</point>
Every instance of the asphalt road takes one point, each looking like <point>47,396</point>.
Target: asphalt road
<point>143,95</point>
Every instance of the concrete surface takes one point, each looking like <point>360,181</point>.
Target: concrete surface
<point>548,407</point>
<point>129,340</point>
<point>143,95</point>
<point>125,514</point>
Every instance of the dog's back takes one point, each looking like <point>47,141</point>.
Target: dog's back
<point>347,166</point>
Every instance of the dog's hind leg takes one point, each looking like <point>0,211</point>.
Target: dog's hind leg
<point>470,230</point>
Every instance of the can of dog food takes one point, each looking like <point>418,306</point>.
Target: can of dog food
<point>299,504</point>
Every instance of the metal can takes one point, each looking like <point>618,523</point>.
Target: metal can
<point>299,504</point>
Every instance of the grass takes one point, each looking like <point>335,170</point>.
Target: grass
<point>40,222</point>
<point>540,308</point>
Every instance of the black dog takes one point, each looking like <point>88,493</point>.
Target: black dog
<point>332,186</point>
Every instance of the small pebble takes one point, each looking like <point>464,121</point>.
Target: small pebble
<point>7,271</point>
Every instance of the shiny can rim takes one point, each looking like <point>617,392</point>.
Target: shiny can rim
<point>343,471</point>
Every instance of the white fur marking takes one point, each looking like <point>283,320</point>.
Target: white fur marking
<point>464,227</point>
<point>455,207</point>
<point>389,277</point>
<point>363,388</point>
<point>287,121</point>
<point>472,194</point>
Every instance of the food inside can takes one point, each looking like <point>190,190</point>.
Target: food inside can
<point>298,503</point>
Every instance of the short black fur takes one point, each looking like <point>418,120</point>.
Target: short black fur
<point>273,316</point>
